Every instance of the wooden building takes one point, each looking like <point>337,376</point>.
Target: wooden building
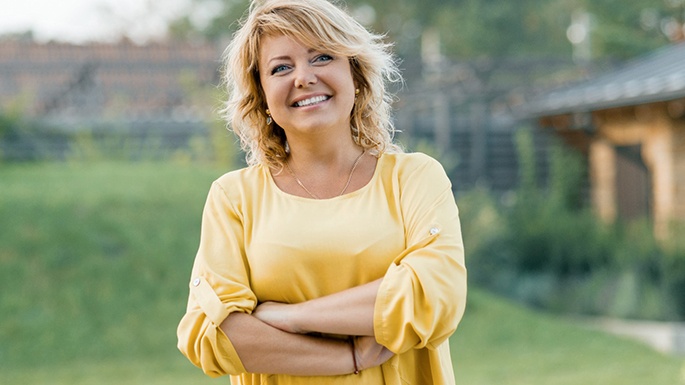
<point>630,124</point>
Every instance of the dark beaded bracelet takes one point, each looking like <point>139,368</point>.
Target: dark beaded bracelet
<point>354,356</point>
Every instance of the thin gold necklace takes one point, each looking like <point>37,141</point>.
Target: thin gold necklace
<point>349,178</point>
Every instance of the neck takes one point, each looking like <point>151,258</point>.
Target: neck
<point>327,192</point>
<point>327,153</point>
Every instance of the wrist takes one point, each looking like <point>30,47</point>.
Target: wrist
<point>298,319</point>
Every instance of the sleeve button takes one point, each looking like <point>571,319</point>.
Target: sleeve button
<point>196,282</point>
<point>434,230</point>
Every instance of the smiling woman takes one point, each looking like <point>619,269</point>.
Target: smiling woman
<point>349,267</point>
<point>307,92</point>
<point>331,32</point>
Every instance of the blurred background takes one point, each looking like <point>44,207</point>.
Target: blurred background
<point>560,122</point>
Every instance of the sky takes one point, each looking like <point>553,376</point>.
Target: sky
<point>79,21</point>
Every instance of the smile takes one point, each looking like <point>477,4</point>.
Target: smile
<point>311,101</point>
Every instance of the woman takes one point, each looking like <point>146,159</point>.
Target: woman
<point>333,258</point>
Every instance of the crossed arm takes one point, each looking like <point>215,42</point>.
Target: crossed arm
<point>274,339</point>
<point>425,304</point>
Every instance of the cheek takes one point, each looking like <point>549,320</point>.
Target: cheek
<point>267,92</point>
<point>350,95</point>
<point>272,93</point>
<point>349,87</point>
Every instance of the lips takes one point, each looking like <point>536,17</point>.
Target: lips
<point>311,101</point>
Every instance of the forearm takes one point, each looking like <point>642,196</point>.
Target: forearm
<point>265,349</point>
<point>349,312</point>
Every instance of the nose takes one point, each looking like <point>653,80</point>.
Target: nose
<point>304,77</point>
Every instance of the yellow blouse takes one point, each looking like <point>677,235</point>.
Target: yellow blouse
<point>259,243</point>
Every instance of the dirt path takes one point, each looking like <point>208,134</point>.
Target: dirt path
<point>666,337</point>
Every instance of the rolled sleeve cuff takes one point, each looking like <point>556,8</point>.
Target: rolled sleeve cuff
<point>200,337</point>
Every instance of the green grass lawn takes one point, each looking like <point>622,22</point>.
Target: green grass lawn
<point>503,343</point>
<point>94,264</point>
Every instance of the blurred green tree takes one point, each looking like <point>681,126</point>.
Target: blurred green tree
<point>466,28</point>
<point>484,29</point>
<point>627,28</point>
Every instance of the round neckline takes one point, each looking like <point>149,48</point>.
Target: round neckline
<point>371,181</point>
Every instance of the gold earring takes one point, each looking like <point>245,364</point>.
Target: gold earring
<point>268,117</point>
<point>357,91</point>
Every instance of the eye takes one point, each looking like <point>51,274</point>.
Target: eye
<point>323,58</point>
<point>279,68</point>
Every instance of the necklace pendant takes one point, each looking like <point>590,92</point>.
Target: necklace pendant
<point>347,184</point>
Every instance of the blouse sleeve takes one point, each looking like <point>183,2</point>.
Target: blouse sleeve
<point>219,285</point>
<point>423,293</point>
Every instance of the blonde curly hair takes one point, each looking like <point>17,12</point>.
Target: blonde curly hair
<point>315,23</point>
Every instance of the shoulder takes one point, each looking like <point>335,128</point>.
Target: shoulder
<point>412,157</point>
<point>240,175</point>
<point>242,182</point>
<point>413,164</point>
<point>416,181</point>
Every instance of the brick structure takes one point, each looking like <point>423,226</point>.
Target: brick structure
<point>163,92</point>
<point>96,82</point>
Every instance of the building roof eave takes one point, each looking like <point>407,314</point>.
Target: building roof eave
<point>535,112</point>
<point>657,77</point>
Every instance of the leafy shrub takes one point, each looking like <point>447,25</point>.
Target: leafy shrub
<point>28,140</point>
<point>547,249</point>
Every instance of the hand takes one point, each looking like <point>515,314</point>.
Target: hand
<point>279,315</point>
<point>370,353</point>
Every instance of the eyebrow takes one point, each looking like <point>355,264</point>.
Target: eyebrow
<point>287,57</point>
<point>278,58</point>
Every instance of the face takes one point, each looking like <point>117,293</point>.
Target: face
<point>308,91</point>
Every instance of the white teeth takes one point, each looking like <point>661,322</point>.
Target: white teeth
<point>310,101</point>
